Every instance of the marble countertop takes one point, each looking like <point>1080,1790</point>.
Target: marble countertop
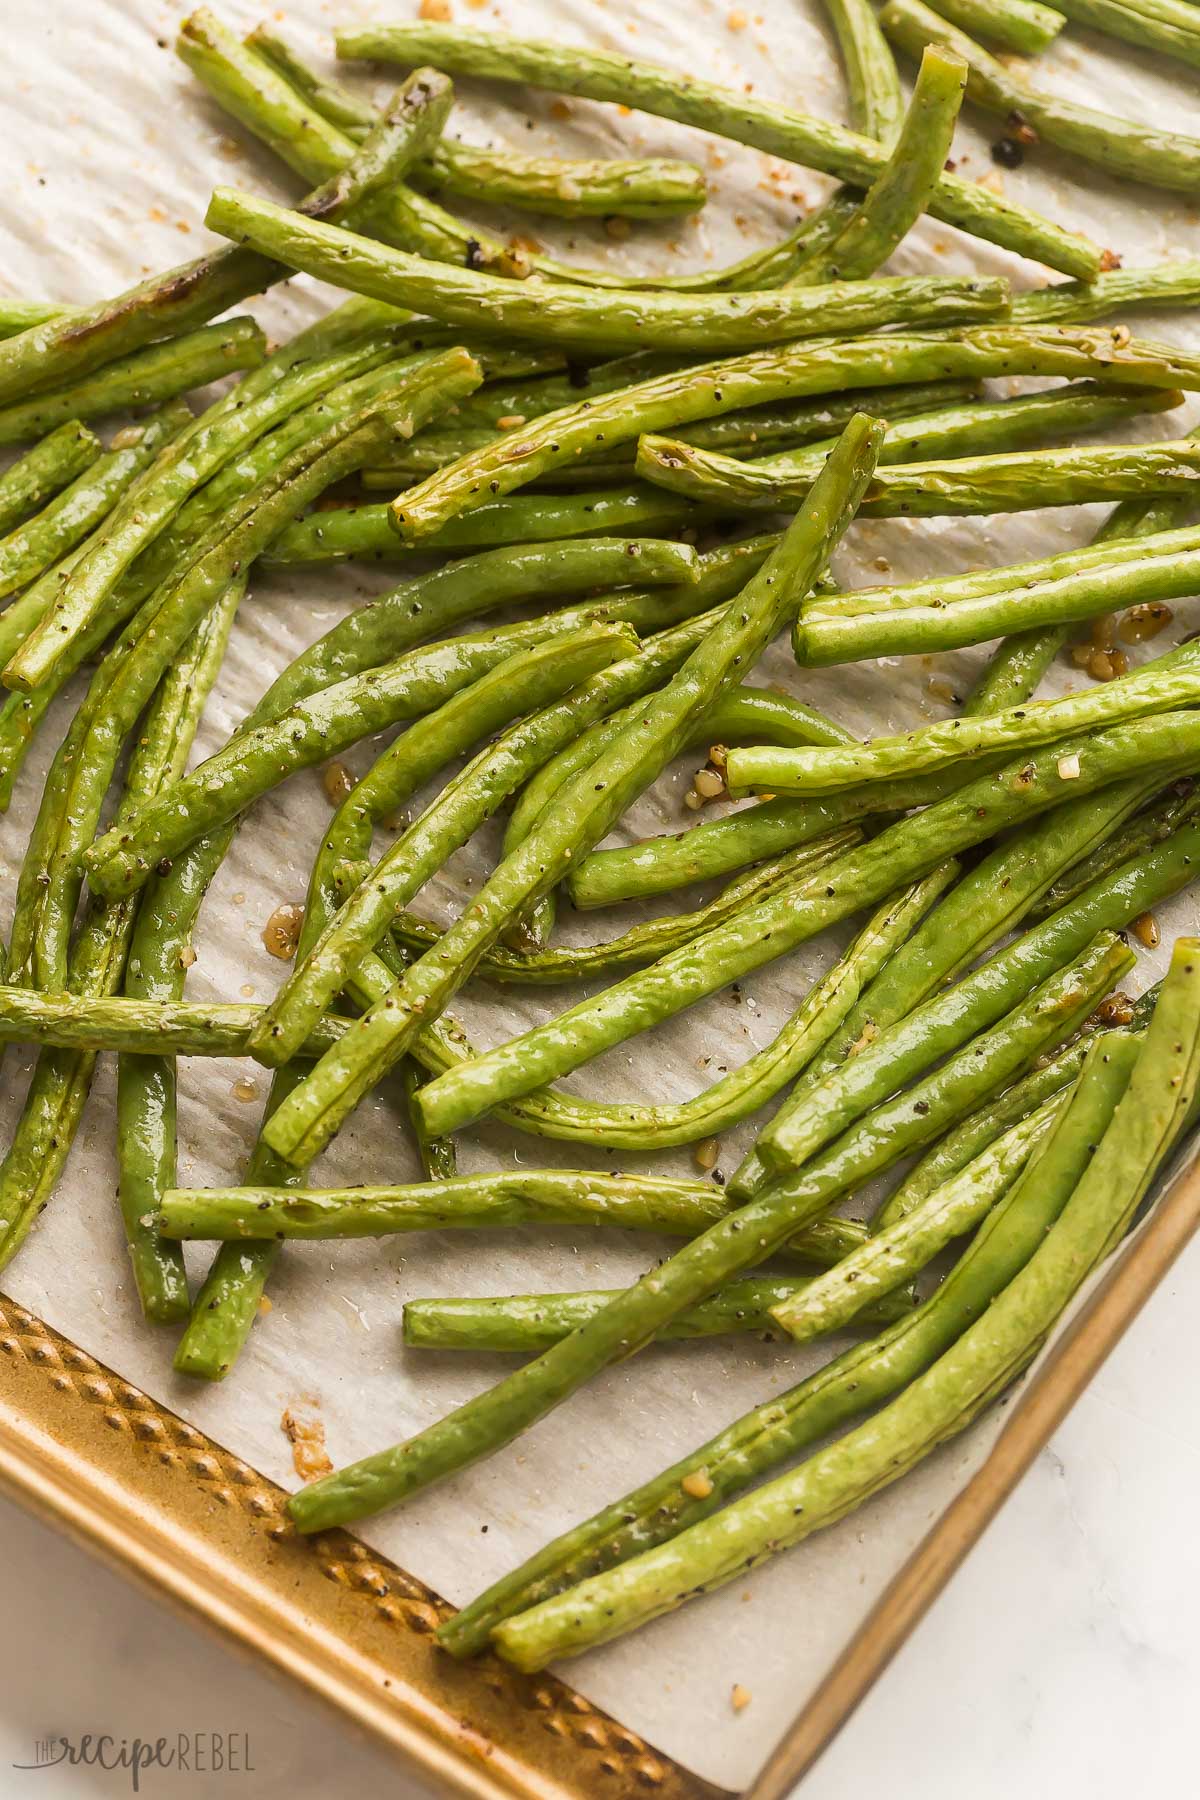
<point>1063,1659</point>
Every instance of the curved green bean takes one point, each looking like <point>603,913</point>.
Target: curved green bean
<point>321,726</point>
<point>629,1125</point>
<point>902,190</point>
<point>640,944</point>
<point>426,606</point>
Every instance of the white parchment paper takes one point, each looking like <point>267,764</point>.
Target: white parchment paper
<point>108,152</point>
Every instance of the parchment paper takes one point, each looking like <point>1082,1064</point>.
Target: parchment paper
<point>108,154</point>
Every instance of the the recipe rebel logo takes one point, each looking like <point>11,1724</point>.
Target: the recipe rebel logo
<point>207,1753</point>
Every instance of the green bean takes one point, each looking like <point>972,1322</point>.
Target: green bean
<point>1025,27</point>
<point>718,846</point>
<point>968,1140</point>
<point>741,1091</point>
<point>640,944</point>
<point>1168,681</point>
<point>1147,1119</point>
<point>852,1383</point>
<point>1170,26</point>
<point>230,1298</point>
<point>1122,147</point>
<point>316,728</point>
<point>966,485</point>
<point>367,531</point>
<point>778,130</point>
<point>135,665</point>
<point>62,1079</point>
<point>138,1027</point>
<point>642,188</point>
<point>530,1322</point>
<point>612,319</point>
<point>875,97</point>
<point>439,1159</point>
<point>499,1199</point>
<point>974,429</point>
<point>588,806</point>
<point>1015,668</point>
<point>1159,284</point>
<point>147,377</point>
<point>902,190</point>
<point>75,512</point>
<point>957,616</point>
<point>1177,807</point>
<point>43,471</point>
<point>986,904</point>
<point>767,930</point>
<point>897,1255</point>
<point>632,1319</point>
<point>1098,561</point>
<point>667,400</point>
<point>428,605</point>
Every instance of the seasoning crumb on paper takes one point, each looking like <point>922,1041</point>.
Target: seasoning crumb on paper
<point>306,1434</point>
<point>739,1697</point>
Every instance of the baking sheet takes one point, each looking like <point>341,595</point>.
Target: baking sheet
<point>107,156</point>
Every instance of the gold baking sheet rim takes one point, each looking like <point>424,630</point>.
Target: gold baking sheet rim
<point>152,1495</point>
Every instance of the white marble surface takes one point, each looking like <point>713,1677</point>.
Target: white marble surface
<point>1064,1659</point>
